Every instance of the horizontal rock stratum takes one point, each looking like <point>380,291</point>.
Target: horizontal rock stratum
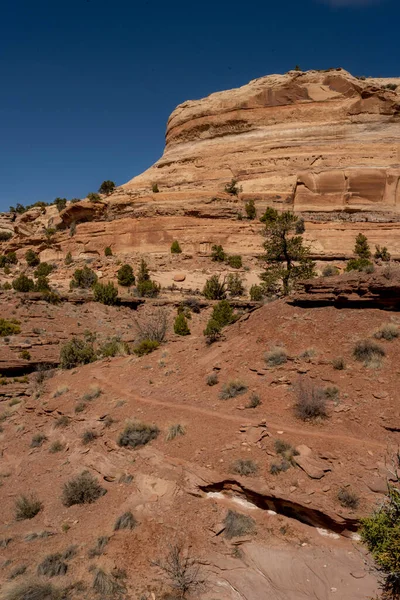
<point>322,143</point>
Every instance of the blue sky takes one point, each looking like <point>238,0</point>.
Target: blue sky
<point>88,85</point>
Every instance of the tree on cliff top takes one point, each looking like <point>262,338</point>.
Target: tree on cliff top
<point>287,258</point>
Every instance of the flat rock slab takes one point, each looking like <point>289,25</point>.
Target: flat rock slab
<point>314,468</point>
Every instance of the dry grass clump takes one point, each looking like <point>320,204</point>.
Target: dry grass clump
<point>387,332</point>
<point>99,548</point>
<point>82,489</point>
<point>89,436</point>
<point>56,446</point>
<point>52,566</point>
<point>27,507</point>
<point>232,389</point>
<point>60,391</point>
<point>38,440</point>
<point>244,467</point>
<point>368,352</point>
<point>310,403</point>
<point>105,584</point>
<point>212,379</point>
<point>175,431</point>
<point>332,392</point>
<point>17,571</point>
<point>125,521</point>
<point>237,524</point>
<point>80,407</point>
<point>338,363</point>
<point>137,434</point>
<point>275,357</point>
<point>62,421</point>
<point>254,401</point>
<point>92,394</point>
<point>279,467</point>
<point>31,589</point>
<point>348,498</point>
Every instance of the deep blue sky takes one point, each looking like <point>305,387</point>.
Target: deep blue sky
<point>87,85</point>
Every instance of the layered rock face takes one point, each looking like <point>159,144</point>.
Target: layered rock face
<point>322,143</point>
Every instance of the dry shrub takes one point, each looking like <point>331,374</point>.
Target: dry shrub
<point>212,379</point>
<point>125,521</point>
<point>387,332</point>
<point>99,548</point>
<point>56,446</point>
<point>62,421</point>
<point>89,436</point>
<point>38,440</point>
<point>276,356</point>
<point>232,389</point>
<point>31,589</point>
<point>254,401</point>
<point>310,403</point>
<point>175,431</point>
<point>52,566</point>
<point>244,467</point>
<point>348,498</point>
<point>17,571</point>
<point>368,352</point>
<point>237,524</point>
<point>152,326</point>
<point>105,584</point>
<point>181,570</point>
<point>92,394</point>
<point>279,467</point>
<point>27,507</point>
<point>338,363</point>
<point>83,489</point>
<point>137,434</point>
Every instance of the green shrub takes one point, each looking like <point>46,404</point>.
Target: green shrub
<point>107,187</point>
<point>107,251</point>
<point>83,278</point>
<point>232,188</point>
<point>137,434</point>
<point>68,259</point>
<point>5,236</point>
<point>234,285</point>
<point>148,289</point>
<point>106,293</point>
<point>8,259</point>
<point>181,326</point>
<point>82,489</point>
<point>348,498</point>
<point>154,188</point>
<point>175,247</point>
<point>300,226</point>
<point>145,347</point>
<point>330,271</point>
<point>60,203</point>
<point>368,352</point>
<point>43,270</point>
<point>42,284</point>
<point>387,332</point>
<point>214,289</point>
<point>93,197</point>
<point>212,331</point>
<point>22,283</point>
<point>125,521</point>
<point>27,507</point>
<point>232,389</point>
<point>250,209</point>
<point>276,356</point>
<point>175,431</point>
<point>76,352</point>
<point>244,467</point>
<point>9,327</point>
<point>310,403</point>
<point>223,313</point>
<point>125,276</point>
<point>237,524</point>
<point>358,264</point>
<point>217,253</point>
<point>382,254</point>
<point>32,258</point>
<point>256,293</point>
<point>114,347</point>
<point>235,261</point>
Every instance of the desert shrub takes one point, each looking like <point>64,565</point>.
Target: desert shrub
<point>52,566</point>
<point>27,507</point>
<point>107,187</point>
<point>43,270</point>
<point>32,258</point>
<point>250,209</point>
<point>232,188</point>
<point>286,451</point>
<point>338,363</point>
<point>37,440</point>
<point>114,347</point>
<point>125,521</point>
<point>80,407</point>
<point>62,421</point>
<point>223,313</point>
<point>152,326</point>
<point>368,352</point>
<point>89,436</point>
<point>82,489</point>
<point>154,188</point>
<point>22,283</point>
<point>181,326</point>
<point>105,585</point>
<point>235,261</point>
<point>107,251</point>
<point>276,356</point>
<point>330,271</point>
<point>217,253</point>
<point>254,401</point>
<point>5,236</point>
<point>382,253</point>
<point>348,498</point>
<point>11,258</point>
<point>33,590</point>
<point>137,434</point>
<point>212,379</point>
<point>93,197</point>
<point>125,276</point>
<point>175,431</point>
<point>76,352</point>
<point>42,284</point>
<point>56,446</point>
<point>175,247</point>
<point>83,278</point>
<point>148,289</point>
<point>279,467</point>
<point>212,332</point>
<point>332,392</point>
<point>63,389</point>
<point>234,285</point>
<point>106,293</point>
<point>387,332</point>
<point>60,203</point>
<point>237,524</point>
<point>310,403</point>
<point>244,467</point>
<point>98,549</point>
<point>181,570</point>
<point>232,389</point>
<point>359,264</point>
<point>7,286</point>
<point>256,293</point>
<point>68,259</point>
<point>11,327</point>
<point>300,226</point>
<point>214,289</point>
<point>17,571</point>
<point>145,347</point>
<point>193,304</point>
